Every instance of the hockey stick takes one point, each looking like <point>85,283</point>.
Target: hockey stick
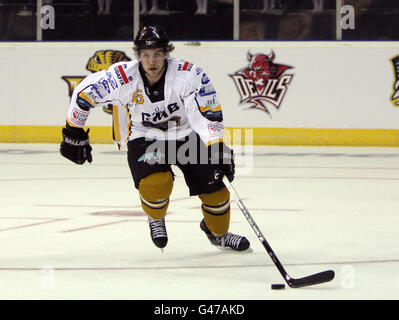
<point>313,279</point>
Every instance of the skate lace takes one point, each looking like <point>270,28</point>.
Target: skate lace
<point>231,240</point>
<point>158,228</point>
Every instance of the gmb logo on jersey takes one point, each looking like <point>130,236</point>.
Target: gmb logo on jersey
<point>161,118</point>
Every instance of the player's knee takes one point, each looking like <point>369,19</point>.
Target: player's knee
<point>216,210</point>
<point>155,190</point>
<point>216,198</point>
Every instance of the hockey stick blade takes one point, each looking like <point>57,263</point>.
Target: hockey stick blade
<point>311,280</point>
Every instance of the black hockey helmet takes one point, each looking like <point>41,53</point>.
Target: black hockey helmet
<point>152,37</point>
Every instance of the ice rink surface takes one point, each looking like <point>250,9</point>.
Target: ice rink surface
<point>78,232</point>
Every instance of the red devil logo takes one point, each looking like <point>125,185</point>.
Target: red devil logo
<point>262,81</point>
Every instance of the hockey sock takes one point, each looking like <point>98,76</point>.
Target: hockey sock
<point>216,211</point>
<point>155,190</point>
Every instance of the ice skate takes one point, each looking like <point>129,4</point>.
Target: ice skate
<point>158,232</point>
<point>226,241</point>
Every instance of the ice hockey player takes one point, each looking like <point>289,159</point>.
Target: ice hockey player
<point>167,112</point>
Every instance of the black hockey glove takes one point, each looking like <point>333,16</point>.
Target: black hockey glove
<point>221,158</point>
<point>76,145</point>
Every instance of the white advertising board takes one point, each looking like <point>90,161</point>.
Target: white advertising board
<point>337,85</point>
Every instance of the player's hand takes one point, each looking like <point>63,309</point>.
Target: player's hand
<point>76,145</point>
<point>222,159</point>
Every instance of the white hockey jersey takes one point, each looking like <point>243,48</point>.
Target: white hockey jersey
<point>184,100</point>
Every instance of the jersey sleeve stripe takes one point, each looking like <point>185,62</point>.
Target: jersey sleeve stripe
<point>115,124</point>
<point>84,96</point>
<point>217,108</point>
<point>214,141</point>
<point>71,124</point>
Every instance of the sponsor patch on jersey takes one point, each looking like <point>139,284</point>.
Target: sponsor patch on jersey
<point>204,79</point>
<point>210,107</point>
<point>121,75</point>
<point>99,90</point>
<point>211,101</point>
<point>94,94</point>
<point>207,90</point>
<point>186,66</point>
<point>112,81</point>
<point>215,129</point>
<point>78,116</point>
<point>105,84</point>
